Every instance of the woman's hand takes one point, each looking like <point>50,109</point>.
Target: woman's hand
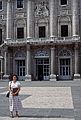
<point>13,94</point>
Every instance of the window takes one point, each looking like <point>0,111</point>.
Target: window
<point>19,3</point>
<point>20,33</point>
<point>0,5</point>
<point>63,2</point>
<point>0,36</point>
<point>42,31</point>
<point>64,30</point>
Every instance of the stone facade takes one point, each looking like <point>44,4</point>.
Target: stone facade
<point>50,48</point>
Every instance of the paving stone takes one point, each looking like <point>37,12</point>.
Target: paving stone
<point>46,113</point>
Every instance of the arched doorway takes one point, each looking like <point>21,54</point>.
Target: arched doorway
<point>65,65</point>
<point>42,65</point>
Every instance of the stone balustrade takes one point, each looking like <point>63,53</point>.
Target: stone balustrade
<point>43,40</point>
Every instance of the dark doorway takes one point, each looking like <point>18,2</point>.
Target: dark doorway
<point>40,72</point>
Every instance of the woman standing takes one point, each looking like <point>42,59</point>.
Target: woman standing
<point>14,101</point>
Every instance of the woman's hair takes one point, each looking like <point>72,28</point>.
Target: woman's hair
<point>11,77</point>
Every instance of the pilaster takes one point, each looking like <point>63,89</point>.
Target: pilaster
<point>9,17</point>
<point>53,18</point>
<point>30,19</point>
<point>53,76</point>
<point>6,76</point>
<point>28,64</point>
<point>75,17</point>
<point>76,75</point>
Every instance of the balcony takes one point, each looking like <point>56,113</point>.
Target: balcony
<point>50,40</point>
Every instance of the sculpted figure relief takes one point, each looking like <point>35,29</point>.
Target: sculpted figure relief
<point>41,10</point>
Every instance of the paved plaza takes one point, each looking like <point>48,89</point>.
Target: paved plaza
<point>45,100</point>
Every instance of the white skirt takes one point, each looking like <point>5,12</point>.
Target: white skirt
<point>14,103</point>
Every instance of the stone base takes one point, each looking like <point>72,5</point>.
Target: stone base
<point>27,77</point>
<point>77,77</point>
<point>52,77</point>
<point>6,77</point>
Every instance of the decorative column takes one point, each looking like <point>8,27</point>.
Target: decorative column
<point>76,75</point>
<point>5,62</point>
<point>53,76</point>
<point>1,59</point>
<point>28,64</point>
<point>5,66</point>
<point>8,23</point>
<point>75,17</point>
<point>29,19</point>
<point>53,18</point>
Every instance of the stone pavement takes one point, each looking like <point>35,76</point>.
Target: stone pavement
<point>45,100</point>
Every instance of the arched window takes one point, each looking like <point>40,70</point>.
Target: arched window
<point>41,54</point>
<point>19,54</point>
<point>64,52</point>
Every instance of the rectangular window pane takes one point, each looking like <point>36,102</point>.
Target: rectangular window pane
<point>42,31</point>
<point>23,71</point>
<point>20,33</point>
<point>0,5</point>
<point>63,2</point>
<point>19,3</point>
<point>0,36</point>
<point>64,30</point>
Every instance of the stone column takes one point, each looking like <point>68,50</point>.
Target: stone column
<point>28,64</point>
<point>5,62</point>
<point>76,75</point>
<point>53,76</point>
<point>75,17</point>
<point>5,66</point>
<point>30,19</point>
<point>9,17</point>
<point>53,18</point>
<point>1,59</point>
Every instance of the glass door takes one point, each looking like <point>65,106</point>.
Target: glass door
<point>42,69</point>
<point>65,68</point>
<point>20,68</point>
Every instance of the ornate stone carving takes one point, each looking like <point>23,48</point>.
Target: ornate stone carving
<point>41,53</point>
<point>20,15</point>
<point>64,52</point>
<point>20,22</point>
<point>19,54</point>
<point>64,12</point>
<point>41,10</point>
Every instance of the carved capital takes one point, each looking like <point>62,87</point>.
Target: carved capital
<point>76,46</point>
